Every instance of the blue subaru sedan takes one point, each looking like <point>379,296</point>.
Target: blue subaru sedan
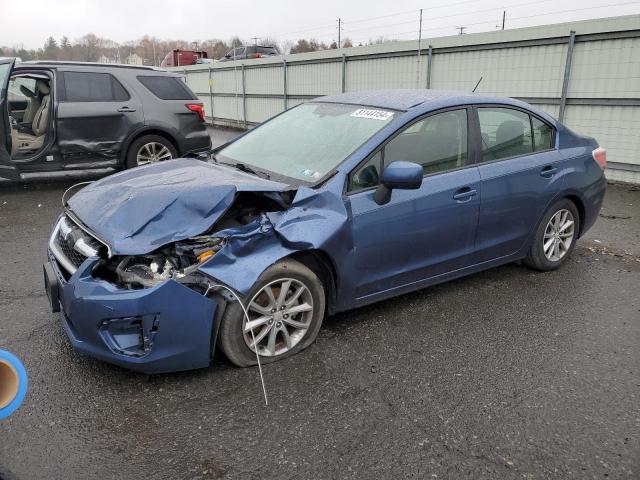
<point>331,205</point>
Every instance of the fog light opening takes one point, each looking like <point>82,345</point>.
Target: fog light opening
<point>9,383</point>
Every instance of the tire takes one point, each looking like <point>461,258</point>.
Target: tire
<point>146,146</point>
<point>563,211</point>
<point>236,343</point>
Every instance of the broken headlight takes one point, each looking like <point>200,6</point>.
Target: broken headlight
<point>174,261</point>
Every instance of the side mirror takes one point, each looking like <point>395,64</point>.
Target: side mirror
<point>228,55</point>
<point>402,175</point>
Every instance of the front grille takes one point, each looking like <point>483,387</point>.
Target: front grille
<point>66,246</point>
<point>71,246</point>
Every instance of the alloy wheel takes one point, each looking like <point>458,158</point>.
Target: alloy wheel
<point>153,152</point>
<point>279,315</point>
<point>558,235</point>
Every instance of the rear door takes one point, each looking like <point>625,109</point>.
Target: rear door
<point>96,113</point>
<point>520,175</point>
<point>7,170</point>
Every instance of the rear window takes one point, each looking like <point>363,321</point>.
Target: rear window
<point>167,88</point>
<point>267,50</point>
<point>92,87</point>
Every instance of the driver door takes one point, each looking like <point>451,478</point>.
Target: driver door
<point>424,233</point>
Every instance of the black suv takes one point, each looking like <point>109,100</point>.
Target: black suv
<point>65,116</point>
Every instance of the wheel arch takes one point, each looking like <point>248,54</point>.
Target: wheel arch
<point>577,201</point>
<point>147,131</point>
<point>320,263</point>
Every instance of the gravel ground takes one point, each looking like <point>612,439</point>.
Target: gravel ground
<point>504,374</point>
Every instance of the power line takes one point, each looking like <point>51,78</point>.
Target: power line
<point>456,26</point>
<point>522,4</point>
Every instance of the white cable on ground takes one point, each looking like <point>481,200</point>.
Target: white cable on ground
<point>246,315</point>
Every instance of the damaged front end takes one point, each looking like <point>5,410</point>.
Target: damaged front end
<point>142,295</point>
<point>182,259</point>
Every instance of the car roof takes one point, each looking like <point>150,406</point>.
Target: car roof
<point>57,63</point>
<point>407,99</point>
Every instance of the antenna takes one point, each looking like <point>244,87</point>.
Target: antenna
<point>474,88</point>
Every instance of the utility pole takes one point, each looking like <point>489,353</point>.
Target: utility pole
<point>255,40</point>
<point>339,31</point>
<point>504,13</point>
<point>419,41</point>
<point>462,29</point>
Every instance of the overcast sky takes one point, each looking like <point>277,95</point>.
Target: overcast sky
<point>30,23</point>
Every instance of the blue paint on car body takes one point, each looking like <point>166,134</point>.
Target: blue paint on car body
<point>456,222</point>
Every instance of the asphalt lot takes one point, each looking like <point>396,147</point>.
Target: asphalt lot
<point>504,374</point>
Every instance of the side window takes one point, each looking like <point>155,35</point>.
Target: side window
<point>239,51</point>
<point>367,176</point>
<point>438,143</point>
<point>167,88</point>
<point>93,87</point>
<point>542,135</point>
<point>505,132</point>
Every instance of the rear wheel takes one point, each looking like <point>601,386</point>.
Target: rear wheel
<point>150,149</point>
<point>285,309</point>
<point>555,238</point>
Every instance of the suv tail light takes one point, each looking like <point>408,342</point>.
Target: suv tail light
<point>600,156</point>
<point>197,108</point>
<point>257,55</point>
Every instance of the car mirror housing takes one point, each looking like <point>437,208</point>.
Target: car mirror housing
<point>400,174</point>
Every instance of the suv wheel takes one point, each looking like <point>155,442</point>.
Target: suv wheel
<point>150,149</point>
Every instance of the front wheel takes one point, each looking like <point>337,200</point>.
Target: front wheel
<point>555,238</point>
<point>285,308</point>
<point>150,149</point>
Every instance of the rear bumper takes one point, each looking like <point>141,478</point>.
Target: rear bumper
<point>173,323</point>
<point>194,142</point>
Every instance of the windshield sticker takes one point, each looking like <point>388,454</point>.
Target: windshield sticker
<point>373,114</point>
<point>311,173</point>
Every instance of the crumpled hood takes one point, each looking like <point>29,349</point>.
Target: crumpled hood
<point>140,210</point>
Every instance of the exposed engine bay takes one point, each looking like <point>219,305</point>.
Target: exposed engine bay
<point>181,259</point>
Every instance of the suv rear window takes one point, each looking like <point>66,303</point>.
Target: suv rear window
<point>167,88</point>
<point>92,87</point>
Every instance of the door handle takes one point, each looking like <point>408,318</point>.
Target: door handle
<point>126,109</point>
<point>464,194</point>
<point>548,171</point>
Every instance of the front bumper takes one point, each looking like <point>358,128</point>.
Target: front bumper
<point>176,323</point>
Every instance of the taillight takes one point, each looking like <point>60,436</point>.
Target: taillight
<point>197,108</point>
<point>257,55</point>
<point>600,156</point>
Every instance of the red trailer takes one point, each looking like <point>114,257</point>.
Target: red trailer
<point>179,58</point>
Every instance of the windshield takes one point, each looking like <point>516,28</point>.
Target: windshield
<point>308,141</point>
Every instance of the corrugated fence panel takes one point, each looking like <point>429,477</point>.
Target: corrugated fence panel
<point>198,81</point>
<point>615,128</point>
<point>228,107</point>
<point>227,81</point>
<point>261,109</point>
<point>265,80</point>
<point>606,69</point>
<point>514,72</point>
<point>386,73</point>
<point>314,78</point>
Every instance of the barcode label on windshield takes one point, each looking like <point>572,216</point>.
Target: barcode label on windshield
<point>373,114</point>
